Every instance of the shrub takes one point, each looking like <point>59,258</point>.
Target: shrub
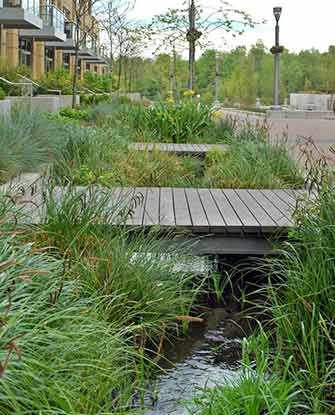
<point>73,113</point>
<point>60,79</point>
<point>2,94</point>
<point>11,73</point>
<point>93,99</point>
<point>178,123</point>
<point>95,82</point>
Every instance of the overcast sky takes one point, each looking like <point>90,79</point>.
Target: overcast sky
<point>304,23</point>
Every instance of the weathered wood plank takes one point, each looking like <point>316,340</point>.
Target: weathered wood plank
<point>287,210</point>
<point>139,200</point>
<point>246,217</point>
<point>233,222</point>
<point>166,211</point>
<point>198,215</point>
<point>265,221</point>
<point>182,213</point>
<point>287,196</point>
<point>151,211</point>
<point>278,217</point>
<point>215,219</point>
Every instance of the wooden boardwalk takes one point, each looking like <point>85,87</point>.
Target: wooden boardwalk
<point>198,150</point>
<point>217,211</point>
<point>226,221</point>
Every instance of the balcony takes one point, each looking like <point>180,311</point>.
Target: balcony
<point>53,26</point>
<point>20,14</point>
<point>92,52</point>
<point>69,44</point>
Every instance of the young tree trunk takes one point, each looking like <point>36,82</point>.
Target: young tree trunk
<point>119,73</point>
<point>125,74</point>
<point>111,56</point>
<point>75,72</point>
<point>193,35</point>
<point>217,78</point>
<point>175,75</point>
<point>191,65</point>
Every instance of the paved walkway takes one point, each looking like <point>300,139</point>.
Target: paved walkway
<point>321,131</point>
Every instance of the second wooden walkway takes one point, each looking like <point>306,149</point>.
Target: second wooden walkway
<point>198,150</point>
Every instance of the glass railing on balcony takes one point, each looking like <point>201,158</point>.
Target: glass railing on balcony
<point>52,16</point>
<point>70,31</point>
<point>33,6</point>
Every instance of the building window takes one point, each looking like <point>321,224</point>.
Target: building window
<point>49,56</point>
<point>25,52</point>
<point>87,66</point>
<point>66,60</point>
<point>95,68</point>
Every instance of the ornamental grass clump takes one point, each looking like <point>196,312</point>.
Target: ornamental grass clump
<point>303,305</point>
<point>58,354</point>
<point>135,275</point>
<point>252,165</point>
<point>28,141</point>
<point>289,363</point>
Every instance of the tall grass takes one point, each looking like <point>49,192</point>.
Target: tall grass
<point>247,164</point>
<point>28,141</point>
<point>290,362</point>
<point>96,159</point>
<point>79,321</point>
<point>250,164</point>
<point>303,305</point>
<point>186,122</point>
<point>134,274</point>
<point>57,354</point>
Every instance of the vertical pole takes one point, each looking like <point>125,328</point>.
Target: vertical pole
<point>217,78</point>
<point>276,90</point>
<point>191,40</point>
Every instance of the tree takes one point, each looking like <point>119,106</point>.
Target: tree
<point>115,19</point>
<point>193,25</point>
<point>85,34</point>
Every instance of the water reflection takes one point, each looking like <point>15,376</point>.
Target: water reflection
<point>210,355</point>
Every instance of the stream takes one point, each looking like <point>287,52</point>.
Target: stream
<point>209,355</point>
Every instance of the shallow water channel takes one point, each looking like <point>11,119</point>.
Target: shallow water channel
<point>209,355</point>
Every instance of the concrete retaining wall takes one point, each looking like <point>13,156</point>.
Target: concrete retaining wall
<point>311,102</point>
<point>66,100</point>
<point>300,115</point>
<point>44,103</point>
<point>132,96</point>
<point>5,108</point>
<point>40,103</point>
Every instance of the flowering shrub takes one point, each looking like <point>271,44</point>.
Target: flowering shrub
<point>178,123</point>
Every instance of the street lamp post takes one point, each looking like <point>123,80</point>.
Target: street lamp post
<point>276,51</point>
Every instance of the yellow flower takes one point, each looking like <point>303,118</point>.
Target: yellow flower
<point>170,100</point>
<point>189,93</point>
<point>217,114</point>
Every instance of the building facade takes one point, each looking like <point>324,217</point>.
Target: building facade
<point>41,35</point>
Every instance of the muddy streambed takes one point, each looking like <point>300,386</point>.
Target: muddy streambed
<point>210,355</point>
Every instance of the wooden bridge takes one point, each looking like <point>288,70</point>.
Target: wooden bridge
<point>226,221</point>
<point>223,221</point>
<point>197,150</point>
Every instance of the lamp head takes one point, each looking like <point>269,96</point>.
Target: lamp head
<point>277,13</point>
